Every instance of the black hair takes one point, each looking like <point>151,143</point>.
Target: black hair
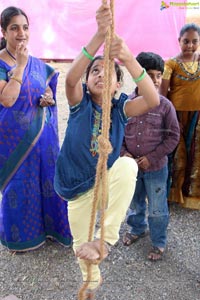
<point>5,18</point>
<point>189,26</point>
<point>151,61</point>
<point>118,70</point>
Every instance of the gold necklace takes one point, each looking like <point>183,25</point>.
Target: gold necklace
<point>188,62</point>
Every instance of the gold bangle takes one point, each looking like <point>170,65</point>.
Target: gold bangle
<point>16,79</point>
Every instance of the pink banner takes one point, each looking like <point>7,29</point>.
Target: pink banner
<point>59,28</point>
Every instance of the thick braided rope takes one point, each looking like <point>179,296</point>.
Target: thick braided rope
<point>106,109</point>
<point>105,148</point>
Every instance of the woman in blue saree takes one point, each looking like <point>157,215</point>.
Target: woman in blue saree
<point>31,211</point>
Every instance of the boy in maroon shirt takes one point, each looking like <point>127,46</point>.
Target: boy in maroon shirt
<point>149,139</point>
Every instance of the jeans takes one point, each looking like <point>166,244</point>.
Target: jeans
<point>153,186</point>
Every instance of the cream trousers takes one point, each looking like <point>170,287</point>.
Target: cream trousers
<point>121,186</point>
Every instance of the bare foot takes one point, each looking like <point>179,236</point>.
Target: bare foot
<point>91,250</point>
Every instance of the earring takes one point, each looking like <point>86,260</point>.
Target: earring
<point>87,90</point>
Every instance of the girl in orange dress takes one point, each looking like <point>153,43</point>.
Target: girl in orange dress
<point>181,84</point>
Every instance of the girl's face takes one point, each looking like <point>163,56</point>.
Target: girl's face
<point>95,81</point>
<point>17,32</point>
<point>189,42</point>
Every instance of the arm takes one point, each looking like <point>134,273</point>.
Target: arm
<point>164,87</point>
<point>168,71</point>
<point>150,97</point>
<point>73,81</point>
<point>9,91</point>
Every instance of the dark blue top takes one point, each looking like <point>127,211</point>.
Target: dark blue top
<point>76,164</point>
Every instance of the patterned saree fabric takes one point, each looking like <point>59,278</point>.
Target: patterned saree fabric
<point>185,166</point>
<point>30,208</point>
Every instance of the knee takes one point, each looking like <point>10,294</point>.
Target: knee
<point>159,212</point>
<point>128,168</point>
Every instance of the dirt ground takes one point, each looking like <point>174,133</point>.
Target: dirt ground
<point>52,273</point>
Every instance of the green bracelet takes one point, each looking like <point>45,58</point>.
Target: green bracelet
<point>84,51</point>
<point>141,76</point>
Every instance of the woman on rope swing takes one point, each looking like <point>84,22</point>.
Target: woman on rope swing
<point>77,161</point>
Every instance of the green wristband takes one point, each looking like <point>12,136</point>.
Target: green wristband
<point>141,76</point>
<point>84,51</point>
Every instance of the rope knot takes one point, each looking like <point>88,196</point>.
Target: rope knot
<point>105,146</point>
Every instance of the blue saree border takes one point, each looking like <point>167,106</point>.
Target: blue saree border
<point>33,244</point>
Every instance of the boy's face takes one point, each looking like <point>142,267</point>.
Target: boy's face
<point>156,77</point>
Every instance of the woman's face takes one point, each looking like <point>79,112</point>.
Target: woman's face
<point>96,79</point>
<point>17,32</point>
<point>189,42</point>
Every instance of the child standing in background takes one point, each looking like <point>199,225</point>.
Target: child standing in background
<point>181,84</point>
<point>149,138</point>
